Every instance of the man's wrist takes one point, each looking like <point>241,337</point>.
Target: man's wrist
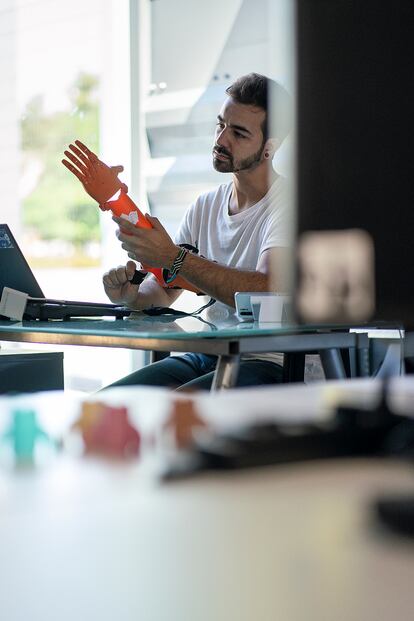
<point>171,257</point>
<point>176,264</point>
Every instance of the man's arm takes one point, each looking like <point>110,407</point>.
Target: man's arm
<point>156,248</point>
<point>221,282</point>
<point>120,290</point>
<point>150,293</point>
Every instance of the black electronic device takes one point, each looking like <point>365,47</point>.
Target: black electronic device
<point>15,273</point>
<point>355,140</point>
<point>396,512</point>
<point>350,433</point>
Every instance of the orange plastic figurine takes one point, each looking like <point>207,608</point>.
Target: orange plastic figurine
<point>182,423</point>
<point>88,419</point>
<point>102,184</point>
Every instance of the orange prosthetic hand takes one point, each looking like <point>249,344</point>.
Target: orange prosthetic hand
<point>102,184</point>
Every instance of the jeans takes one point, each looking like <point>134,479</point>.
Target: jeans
<point>196,371</point>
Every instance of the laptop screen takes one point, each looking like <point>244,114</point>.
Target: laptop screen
<point>14,269</point>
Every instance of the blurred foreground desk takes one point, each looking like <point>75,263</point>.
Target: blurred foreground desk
<point>86,539</point>
<point>228,339</point>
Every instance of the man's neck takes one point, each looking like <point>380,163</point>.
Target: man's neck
<point>249,187</point>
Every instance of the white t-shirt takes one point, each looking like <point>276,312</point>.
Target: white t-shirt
<point>237,240</point>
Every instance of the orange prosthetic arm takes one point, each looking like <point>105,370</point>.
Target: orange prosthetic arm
<point>124,207</point>
<point>101,183</point>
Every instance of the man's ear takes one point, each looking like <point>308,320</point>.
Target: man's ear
<point>270,148</point>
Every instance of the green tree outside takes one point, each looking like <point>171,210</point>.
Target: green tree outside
<point>58,207</point>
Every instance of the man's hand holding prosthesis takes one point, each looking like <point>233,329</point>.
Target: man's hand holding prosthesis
<point>118,286</point>
<point>148,246</point>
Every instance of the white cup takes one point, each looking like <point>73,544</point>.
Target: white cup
<point>256,303</point>
<point>269,308</point>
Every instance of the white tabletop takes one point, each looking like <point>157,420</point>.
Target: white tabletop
<point>90,539</point>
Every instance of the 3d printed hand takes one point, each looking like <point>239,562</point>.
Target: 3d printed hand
<point>99,180</point>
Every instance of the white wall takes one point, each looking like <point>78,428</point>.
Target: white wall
<point>9,143</point>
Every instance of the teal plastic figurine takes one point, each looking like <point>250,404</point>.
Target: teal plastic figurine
<point>23,434</point>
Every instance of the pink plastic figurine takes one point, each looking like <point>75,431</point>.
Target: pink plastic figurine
<point>107,430</point>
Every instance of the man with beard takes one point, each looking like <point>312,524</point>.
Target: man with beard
<point>235,228</point>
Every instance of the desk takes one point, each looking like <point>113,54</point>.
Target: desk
<point>28,371</point>
<point>228,339</point>
<point>92,540</point>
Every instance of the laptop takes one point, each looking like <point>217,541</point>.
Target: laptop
<point>16,274</point>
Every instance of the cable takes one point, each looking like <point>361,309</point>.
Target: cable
<point>166,310</point>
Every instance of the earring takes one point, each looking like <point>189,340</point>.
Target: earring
<point>266,154</point>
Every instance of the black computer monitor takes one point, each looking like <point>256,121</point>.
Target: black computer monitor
<point>15,271</point>
<point>355,159</point>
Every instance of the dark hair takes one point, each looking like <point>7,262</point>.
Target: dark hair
<point>257,90</point>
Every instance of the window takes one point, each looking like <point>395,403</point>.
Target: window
<point>60,62</point>
<point>148,101</point>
